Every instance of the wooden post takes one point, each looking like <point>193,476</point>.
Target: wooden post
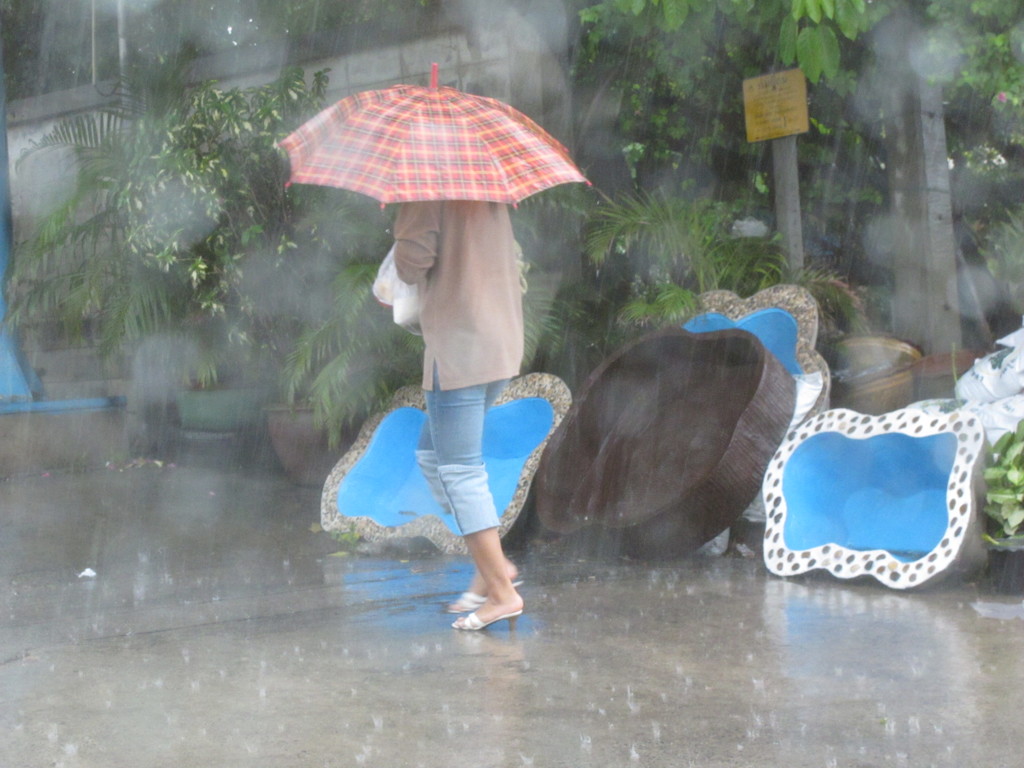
<point>775,109</point>
<point>787,199</point>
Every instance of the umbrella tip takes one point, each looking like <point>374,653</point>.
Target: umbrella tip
<point>433,76</point>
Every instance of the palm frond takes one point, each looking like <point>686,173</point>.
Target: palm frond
<point>671,305</point>
<point>841,306</point>
<point>743,265</point>
<point>661,234</point>
<point>353,361</point>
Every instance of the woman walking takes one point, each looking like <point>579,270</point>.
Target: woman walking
<point>462,256</point>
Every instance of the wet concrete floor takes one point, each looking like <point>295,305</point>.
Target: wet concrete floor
<point>220,631</point>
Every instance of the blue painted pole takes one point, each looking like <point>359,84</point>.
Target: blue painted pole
<point>14,385</point>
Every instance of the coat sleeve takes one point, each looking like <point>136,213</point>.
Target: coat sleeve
<point>417,234</point>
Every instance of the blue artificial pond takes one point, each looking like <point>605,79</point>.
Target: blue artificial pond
<point>886,492</point>
<point>775,328</point>
<point>386,483</point>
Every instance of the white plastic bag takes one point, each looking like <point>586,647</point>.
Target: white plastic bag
<point>997,417</point>
<point>997,375</point>
<point>404,299</point>
<point>808,389</point>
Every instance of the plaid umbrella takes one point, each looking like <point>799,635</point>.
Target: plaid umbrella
<point>408,143</point>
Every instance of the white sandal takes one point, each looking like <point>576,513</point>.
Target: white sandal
<point>467,602</point>
<point>473,623</point>
<point>470,601</point>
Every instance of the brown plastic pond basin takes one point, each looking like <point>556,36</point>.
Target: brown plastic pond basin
<point>668,441</point>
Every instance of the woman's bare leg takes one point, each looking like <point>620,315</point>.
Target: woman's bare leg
<point>492,568</point>
<point>478,586</point>
<point>469,601</point>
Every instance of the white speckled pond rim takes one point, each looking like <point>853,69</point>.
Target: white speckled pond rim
<point>878,508</point>
<point>532,385</point>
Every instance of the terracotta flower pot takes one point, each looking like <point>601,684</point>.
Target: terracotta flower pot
<point>300,445</point>
<point>875,374</point>
<point>935,376</point>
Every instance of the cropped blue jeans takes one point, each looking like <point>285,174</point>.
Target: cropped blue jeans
<point>450,453</point>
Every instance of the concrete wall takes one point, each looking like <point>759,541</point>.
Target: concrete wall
<point>33,443</point>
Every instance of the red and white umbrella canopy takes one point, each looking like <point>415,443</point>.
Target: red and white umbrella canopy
<point>408,143</point>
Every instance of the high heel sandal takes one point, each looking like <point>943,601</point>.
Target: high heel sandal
<point>470,601</point>
<point>467,602</point>
<point>472,622</point>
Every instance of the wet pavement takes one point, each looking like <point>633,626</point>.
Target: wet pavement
<point>219,631</point>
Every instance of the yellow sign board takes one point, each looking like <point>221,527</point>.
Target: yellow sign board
<point>775,105</point>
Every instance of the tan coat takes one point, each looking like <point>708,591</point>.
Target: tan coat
<point>462,255</point>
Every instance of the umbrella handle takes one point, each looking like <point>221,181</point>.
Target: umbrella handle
<point>433,76</point>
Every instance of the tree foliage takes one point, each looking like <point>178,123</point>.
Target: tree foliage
<point>671,72</point>
<point>657,86</point>
<point>174,189</point>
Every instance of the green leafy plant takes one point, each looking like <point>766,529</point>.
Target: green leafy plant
<point>841,305</point>
<point>1004,255</point>
<point>647,260</point>
<point>1004,497</point>
<point>348,539</point>
<point>549,228</point>
<point>178,189</point>
<point>349,363</point>
<point>684,241</point>
<point>180,226</point>
<point>672,248</point>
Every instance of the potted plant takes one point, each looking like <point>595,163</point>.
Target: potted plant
<point>177,206</point>
<point>648,258</point>
<point>1004,505</point>
<point>338,356</point>
<point>668,249</point>
<point>221,389</point>
<point>347,362</point>
<point>340,371</point>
